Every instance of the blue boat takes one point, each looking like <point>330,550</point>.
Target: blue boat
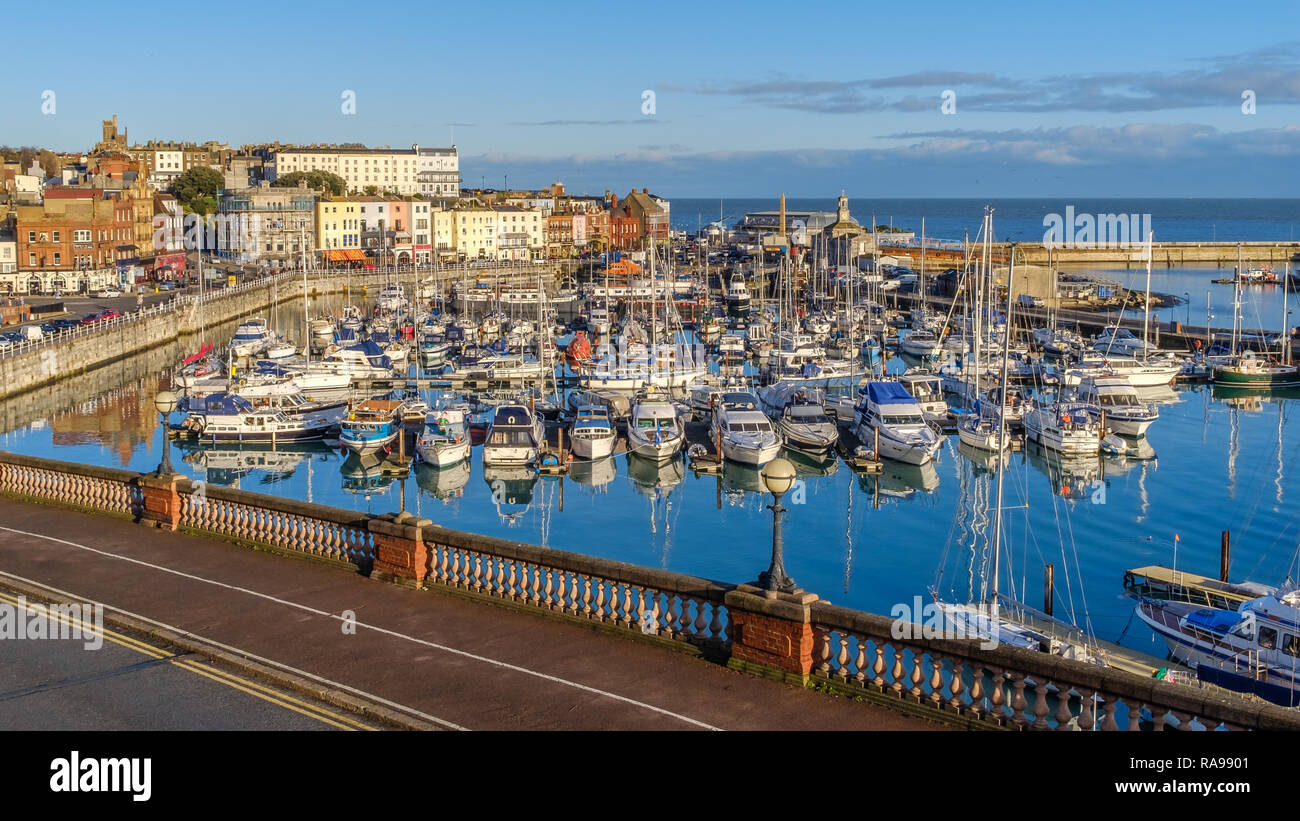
<point>372,425</point>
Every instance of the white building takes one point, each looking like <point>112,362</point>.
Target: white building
<point>438,171</point>
<point>521,233</point>
<point>385,169</point>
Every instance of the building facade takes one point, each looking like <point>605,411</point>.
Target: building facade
<point>437,171</point>
<point>360,168</point>
<point>279,224</point>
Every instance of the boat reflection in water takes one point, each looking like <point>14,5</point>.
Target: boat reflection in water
<point>900,480</point>
<point>654,479</point>
<point>807,466</point>
<point>512,489</point>
<point>984,461</point>
<point>443,483</point>
<point>594,474</point>
<point>226,466</point>
<point>1072,477</point>
<point>371,474</point>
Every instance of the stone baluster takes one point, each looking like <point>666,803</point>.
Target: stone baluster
<point>666,628</point>
<point>936,680</point>
<point>1040,707</point>
<point>455,568</point>
<point>630,612</point>
<point>715,624</point>
<point>701,623</point>
<point>1087,709</point>
<point>1063,713</point>
<point>586,596</point>
<point>823,651</point>
<point>896,674</point>
<point>997,702</point>
<point>842,659</point>
<point>548,597</point>
<point>878,668</point>
<point>1108,719</point>
<point>510,582</point>
<point>561,602</point>
<point>917,677</point>
<point>600,600</point>
<point>860,662</point>
<point>1018,702</point>
<point>957,685</point>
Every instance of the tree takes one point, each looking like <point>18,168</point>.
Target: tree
<point>371,190</point>
<point>199,183</point>
<point>315,179</point>
<point>49,163</point>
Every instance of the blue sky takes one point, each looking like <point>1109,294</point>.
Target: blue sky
<point>1084,99</point>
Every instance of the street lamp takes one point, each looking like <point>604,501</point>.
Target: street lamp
<point>779,477</point>
<point>165,402</point>
<point>1188,297</point>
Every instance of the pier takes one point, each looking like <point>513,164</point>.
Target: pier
<point>1163,254</point>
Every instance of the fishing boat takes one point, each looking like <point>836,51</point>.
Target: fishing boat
<point>654,431</point>
<point>1252,371</point>
<point>515,437</point>
<point>445,438</point>
<point>371,425</point>
<point>592,435</point>
<point>1116,397</point>
<point>887,410</point>
<point>737,293</point>
<point>743,429</point>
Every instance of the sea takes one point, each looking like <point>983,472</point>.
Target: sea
<point>1218,462</point>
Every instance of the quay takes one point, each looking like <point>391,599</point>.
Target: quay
<point>437,627</point>
<point>1166,254</point>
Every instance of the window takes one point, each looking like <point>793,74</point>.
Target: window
<point>31,236</point>
<point>56,258</point>
<point>1267,637</point>
<point>31,259</point>
<point>1291,644</point>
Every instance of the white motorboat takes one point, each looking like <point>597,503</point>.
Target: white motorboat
<point>887,412</point>
<point>927,389</point>
<point>515,437</point>
<point>654,430</point>
<point>1122,342</point>
<point>737,293</point>
<point>1065,427</point>
<point>745,432</point>
<point>921,343</point>
<point>1141,374</point>
<point>1116,397</point>
<point>229,418</point>
<point>799,414</point>
<point>592,435</point>
<point>445,439</point>
<point>250,338</point>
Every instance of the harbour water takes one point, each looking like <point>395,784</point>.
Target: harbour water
<point>863,541</point>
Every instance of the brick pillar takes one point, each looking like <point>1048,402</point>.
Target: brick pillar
<point>400,554</point>
<point>162,503</point>
<point>771,633</point>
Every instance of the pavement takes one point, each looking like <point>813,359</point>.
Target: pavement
<point>415,657</point>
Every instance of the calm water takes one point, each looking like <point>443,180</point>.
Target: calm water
<point>861,541</point>
<point>1183,220</point>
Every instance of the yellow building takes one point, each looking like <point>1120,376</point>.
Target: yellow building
<point>444,226</point>
<point>338,230</point>
<point>475,233</point>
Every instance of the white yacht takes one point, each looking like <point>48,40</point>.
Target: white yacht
<point>1122,342</point>
<point>445,439</point>
<point>250,338</point>
<point>921,343</point>
<point>515,437</point>
<point>737,293</point>
<point>745,432</point>
<point>1141,374</point>
<point>799,414</point>
<point>1064,427</point>
<point>1115,396</point>
<point>592,435</point>
<point>887,409</point>
<point>654,430</point>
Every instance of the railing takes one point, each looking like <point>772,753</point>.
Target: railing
<point>1016,688</point>
<point>89,488</point>
<point>282,524</point>
<point>646,601</point>
<point>853,652</point>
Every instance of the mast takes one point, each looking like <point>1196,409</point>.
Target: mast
<point>1002,433</point>
<point>1146,310</point>
<point>1286,336</point>
<point>306,317</point>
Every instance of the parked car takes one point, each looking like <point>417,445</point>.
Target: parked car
<point>109,313</point>
<point>90,319</point>
<point>107,293</point>
<point>65,323</point>
<point>12,336</point>
<point>49,328</point>
<point>30,332</point>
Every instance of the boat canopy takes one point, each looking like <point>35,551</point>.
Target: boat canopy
<point>889,393</point>
<point>217,404</point>
<point>512,415</point>
<point>1218,621</point>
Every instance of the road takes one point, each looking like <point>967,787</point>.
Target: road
<point>133,682</point>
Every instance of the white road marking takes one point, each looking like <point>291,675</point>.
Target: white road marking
<point>287,603</point>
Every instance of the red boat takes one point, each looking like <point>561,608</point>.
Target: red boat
<point>578,352</point>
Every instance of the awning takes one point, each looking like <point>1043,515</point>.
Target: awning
<point>345,255</point>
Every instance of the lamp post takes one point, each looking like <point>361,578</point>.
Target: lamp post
<point>1188,297</point>
<point>165,402</point>
<point>779,477</point>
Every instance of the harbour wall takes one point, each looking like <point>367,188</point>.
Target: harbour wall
<point>43,364</point>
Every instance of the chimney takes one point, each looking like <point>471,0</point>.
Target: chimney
<point>782,229</point>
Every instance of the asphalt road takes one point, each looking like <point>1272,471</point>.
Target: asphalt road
<point>134,683</point>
